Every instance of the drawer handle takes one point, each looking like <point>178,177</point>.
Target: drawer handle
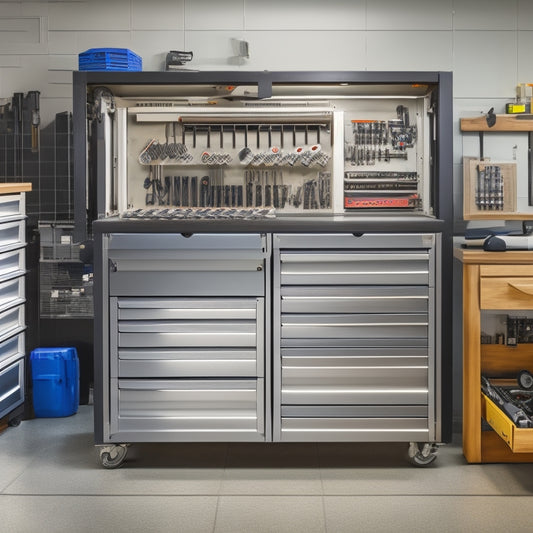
<point>526,288</point>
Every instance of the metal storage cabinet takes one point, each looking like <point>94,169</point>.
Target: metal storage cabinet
<point>185,358</point>
<point>12,300</point>
<point>355,329</point>
<point>355,356</point>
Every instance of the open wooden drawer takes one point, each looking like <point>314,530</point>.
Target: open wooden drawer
<point>520,440</point>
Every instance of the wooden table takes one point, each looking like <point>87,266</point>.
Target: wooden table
<point>501,281</point>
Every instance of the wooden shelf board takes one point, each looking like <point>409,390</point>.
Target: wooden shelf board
<point>10,188</point>
<point>503,123</point>
<point>512,257</point>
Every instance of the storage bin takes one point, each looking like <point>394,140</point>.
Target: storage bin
<point>120,59</point>
<point>55,378</point>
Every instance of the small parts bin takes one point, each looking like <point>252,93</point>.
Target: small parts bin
<point>55,377</point>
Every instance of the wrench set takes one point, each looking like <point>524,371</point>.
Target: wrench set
<point>262,188</point>
<point>372,138</point>
<point>489,189</point>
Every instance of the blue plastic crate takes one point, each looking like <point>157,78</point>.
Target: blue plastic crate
<point>55,378</point>
<point>120,59</point>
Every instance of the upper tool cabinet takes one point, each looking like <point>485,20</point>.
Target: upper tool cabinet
<point>293,143</point>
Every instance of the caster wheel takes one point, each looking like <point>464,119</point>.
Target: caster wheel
<point>113,456</point>
<point>422,454</point>
<point>14,422</point>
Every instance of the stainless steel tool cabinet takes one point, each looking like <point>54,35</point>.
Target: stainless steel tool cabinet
<point>355,357</point>
<point>186,332</point>
<point>273,255</point>
<point>12,300</point>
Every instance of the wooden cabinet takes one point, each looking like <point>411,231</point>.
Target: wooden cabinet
<point>493,281</point>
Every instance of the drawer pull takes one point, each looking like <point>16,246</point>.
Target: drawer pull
<point>526,288</point>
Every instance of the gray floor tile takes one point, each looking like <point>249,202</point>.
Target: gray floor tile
<point>87,514</point>
<point>366,469</point>
<point>430,514</point>
<point>270,514</point>
<point>272,469</point>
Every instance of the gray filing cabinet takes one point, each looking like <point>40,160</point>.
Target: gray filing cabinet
<point>12,300</point>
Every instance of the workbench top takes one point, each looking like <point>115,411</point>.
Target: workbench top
<point>510,257</point>
<point>379,223</point>
<point>11,188</point>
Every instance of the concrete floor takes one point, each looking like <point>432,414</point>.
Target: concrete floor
<point>51,481</point>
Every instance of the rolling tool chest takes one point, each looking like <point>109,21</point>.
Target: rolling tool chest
<point>272,256</point>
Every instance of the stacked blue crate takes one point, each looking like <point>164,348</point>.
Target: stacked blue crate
<point>120,59</point>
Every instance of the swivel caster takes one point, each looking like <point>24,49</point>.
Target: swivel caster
<point>113,456</point>
<point>422,453</point>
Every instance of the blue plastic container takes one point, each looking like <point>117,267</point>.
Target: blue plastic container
<point>120,59</point>
<point>55,376</point>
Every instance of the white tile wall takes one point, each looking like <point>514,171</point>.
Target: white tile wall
<point>157,16</point>
<point>404,50</point>
<point>307,50</point>
<point>334,15</point>
<point>91,14</point>
<point>409,15</point>
<point>485,15</point>
<point>485,64</point>
<point>210,15</point>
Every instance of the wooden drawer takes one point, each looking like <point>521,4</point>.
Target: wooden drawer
<point>510,292</point>
<point>518,439</point>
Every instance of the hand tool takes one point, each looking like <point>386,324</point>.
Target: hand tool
<point>204,192</point>
<point>185,191</point>
<point>194,191</point>
<point>177,190</point>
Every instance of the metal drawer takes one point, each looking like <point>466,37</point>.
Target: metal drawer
<point>376,241</point>
<point>173,363</point>
<point>12,263</point>
<point>386,429</point>
<point>354,299</point>
<point>221,323</point>
<point>11,385</point>
<point>12,207</point>
<point>12,234</point>
<point>356,326</point>
<point>355,268</point>
<point>11,292</point>
<point>195,337</point>
<point>176,265</point>
<point>170,410</point>
<point>11,321</point>
<point>352,384</point>
<point>11,349</point>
